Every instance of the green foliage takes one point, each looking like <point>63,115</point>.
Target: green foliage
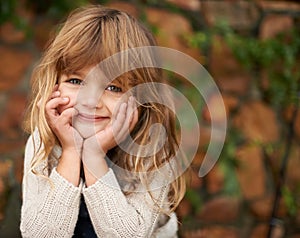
<point>52,8</point>
<point>199,40</point>
<point>290,200</point>
<point>55,8</point>
<point>7,10</point>
<point>278,57</point>
<point>8,14</point>
<point>273,64</point>
<point>195,199</point>
<point>228,164</point>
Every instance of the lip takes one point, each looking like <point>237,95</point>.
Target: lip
<point>91,118</point>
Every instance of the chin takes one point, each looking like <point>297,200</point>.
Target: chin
<point>85,130</point>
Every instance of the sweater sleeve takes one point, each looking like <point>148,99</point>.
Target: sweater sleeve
<point>114,214</point>
<point>50,206</point>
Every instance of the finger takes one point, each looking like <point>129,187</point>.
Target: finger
<point>117,110</point>
<point>128,118</point>
<point>120,118</point>
<point>134,119</point>
<point>51,108</point>
<point>130,109</point>
<point>55,102</point>
<point>63,119</point>
<point>55,94</point>
<point>67,115</point>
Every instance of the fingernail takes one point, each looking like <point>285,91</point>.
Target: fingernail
<point>65,99</point>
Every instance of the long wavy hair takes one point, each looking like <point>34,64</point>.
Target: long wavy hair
<point>90,35</point>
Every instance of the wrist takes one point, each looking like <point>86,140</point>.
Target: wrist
<point>71,152</point>
<point>69,166</point>
<point>92,149</point>
<point>94,169</point>
<point>94,164</point>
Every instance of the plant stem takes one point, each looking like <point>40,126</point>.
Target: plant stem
<point>274,220</point>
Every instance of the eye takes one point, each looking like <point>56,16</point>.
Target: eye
<point>114,88</point>
<point>75,81</point>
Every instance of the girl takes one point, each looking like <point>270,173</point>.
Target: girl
<point>83,127</point>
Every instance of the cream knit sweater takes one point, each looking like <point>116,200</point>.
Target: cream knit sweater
<point>51,209</point>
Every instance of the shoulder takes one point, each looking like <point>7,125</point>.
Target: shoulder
<point>32,144</point>
<point>34,153</point>
<point>33,141</point>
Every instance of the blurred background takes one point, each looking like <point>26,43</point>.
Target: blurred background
<point>252,50</point>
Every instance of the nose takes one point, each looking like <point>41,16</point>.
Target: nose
<point>91,92</point>
<point>91,102</point>
<point>90,96</point>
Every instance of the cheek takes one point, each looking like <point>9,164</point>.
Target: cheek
<point>113,104</point>
<point>71,94</point>
<point>61,108</point>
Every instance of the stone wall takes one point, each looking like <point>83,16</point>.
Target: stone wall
<point>206,211</point>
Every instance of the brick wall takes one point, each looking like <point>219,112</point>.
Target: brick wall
<point>218,214</point>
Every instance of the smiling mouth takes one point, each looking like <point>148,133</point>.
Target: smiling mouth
<point>91,118</point>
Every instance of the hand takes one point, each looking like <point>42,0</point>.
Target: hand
<point>123,122</point>
<point>96,147</point>
<point>61,123</point>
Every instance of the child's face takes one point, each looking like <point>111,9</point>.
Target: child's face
<point>93,96</point>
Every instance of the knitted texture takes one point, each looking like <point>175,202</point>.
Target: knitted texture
<point>50,206</point>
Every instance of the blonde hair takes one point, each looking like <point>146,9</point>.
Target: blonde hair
<point>89,30</point>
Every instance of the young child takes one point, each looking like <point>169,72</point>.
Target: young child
<point>84,130</point>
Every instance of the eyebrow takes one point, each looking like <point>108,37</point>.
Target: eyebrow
<point>116,80</point>
<point>76,74</point>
